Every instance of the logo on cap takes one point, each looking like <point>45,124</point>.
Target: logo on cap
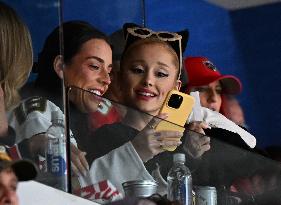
<point>210,65</point>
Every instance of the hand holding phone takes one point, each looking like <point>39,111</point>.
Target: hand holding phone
<point>178,106</point>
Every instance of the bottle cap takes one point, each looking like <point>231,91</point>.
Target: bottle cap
<point>179,157</point>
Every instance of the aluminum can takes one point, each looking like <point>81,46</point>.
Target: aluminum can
<point>205,195</point>
<point>139,188</point>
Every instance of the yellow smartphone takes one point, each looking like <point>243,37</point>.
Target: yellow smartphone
<point>178,106</point>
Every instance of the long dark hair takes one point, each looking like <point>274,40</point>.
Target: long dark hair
<point>75,34</point>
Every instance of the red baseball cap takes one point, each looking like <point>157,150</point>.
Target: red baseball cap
<point>201,71</point>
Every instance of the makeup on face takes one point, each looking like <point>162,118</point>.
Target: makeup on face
<point>149,73</point>
<point>90,70</point>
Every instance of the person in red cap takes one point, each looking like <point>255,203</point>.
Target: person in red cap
<point>203,76</point>
<point>217,92</point>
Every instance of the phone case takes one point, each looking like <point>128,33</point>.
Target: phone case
<point>176,116</point>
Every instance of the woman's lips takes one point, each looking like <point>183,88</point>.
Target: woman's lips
<point>145,95</point>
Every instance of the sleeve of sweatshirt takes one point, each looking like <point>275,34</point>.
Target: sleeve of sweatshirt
<point>120,165</point>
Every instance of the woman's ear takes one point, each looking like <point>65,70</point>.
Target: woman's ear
<point>58,66</point>
<point>178,85</point>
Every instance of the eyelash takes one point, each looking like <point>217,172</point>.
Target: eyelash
<point>219,90</point>
<point>162,75</point>
<point>137,70</point>
<point>95,67</point>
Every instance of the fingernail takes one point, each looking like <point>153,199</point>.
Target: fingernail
<point>179,142</point>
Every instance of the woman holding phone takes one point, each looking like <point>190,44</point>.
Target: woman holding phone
<point>150,68</point>
<point>131,149</point>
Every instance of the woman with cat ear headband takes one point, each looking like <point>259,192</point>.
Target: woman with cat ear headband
<point>150,67</point>
<point>177,41</point>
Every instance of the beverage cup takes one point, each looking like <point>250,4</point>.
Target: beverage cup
<point>139,188</point>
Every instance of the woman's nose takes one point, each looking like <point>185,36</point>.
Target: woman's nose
<point>105,77</point>
<point>148,80</point>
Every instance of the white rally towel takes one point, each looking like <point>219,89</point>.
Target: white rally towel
<point>215,119</point>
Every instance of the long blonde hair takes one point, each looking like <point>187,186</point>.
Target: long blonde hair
<point>16,55</point>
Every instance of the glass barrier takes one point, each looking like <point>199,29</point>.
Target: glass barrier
<point>106,134</point>
<point>117,139</point>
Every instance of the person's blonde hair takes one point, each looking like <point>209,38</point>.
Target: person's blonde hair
<point>16,55</point>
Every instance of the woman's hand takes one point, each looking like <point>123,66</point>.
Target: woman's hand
<point>37,145</point>
<point>79,163</point>
<point>197,142</point>
<point>149,142</point>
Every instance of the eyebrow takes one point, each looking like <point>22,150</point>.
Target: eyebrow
<point>158,62</point>
<point>162,64</point>
<point>95,57</point>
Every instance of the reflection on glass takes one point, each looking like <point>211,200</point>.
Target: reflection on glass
<point>109,137</point>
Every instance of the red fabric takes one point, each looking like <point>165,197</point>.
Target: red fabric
<point>201,71</point>
<point>14,152</point>
<point>102,190</point>
<point>108,115</point>
<point>103,185</point>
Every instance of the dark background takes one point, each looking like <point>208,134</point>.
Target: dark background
<point>246,42</point>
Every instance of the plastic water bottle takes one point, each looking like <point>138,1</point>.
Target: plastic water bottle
<point>56,152</point>
<point>179,181</point>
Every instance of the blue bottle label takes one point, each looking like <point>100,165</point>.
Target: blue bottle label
<point>56,165</point>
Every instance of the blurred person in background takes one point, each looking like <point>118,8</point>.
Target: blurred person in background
<point>16,58</point>
<point>228,154</point>
<point>215,90</point>
<point>203,76</point>
<point>11,172</point>
<point>232,109</point>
